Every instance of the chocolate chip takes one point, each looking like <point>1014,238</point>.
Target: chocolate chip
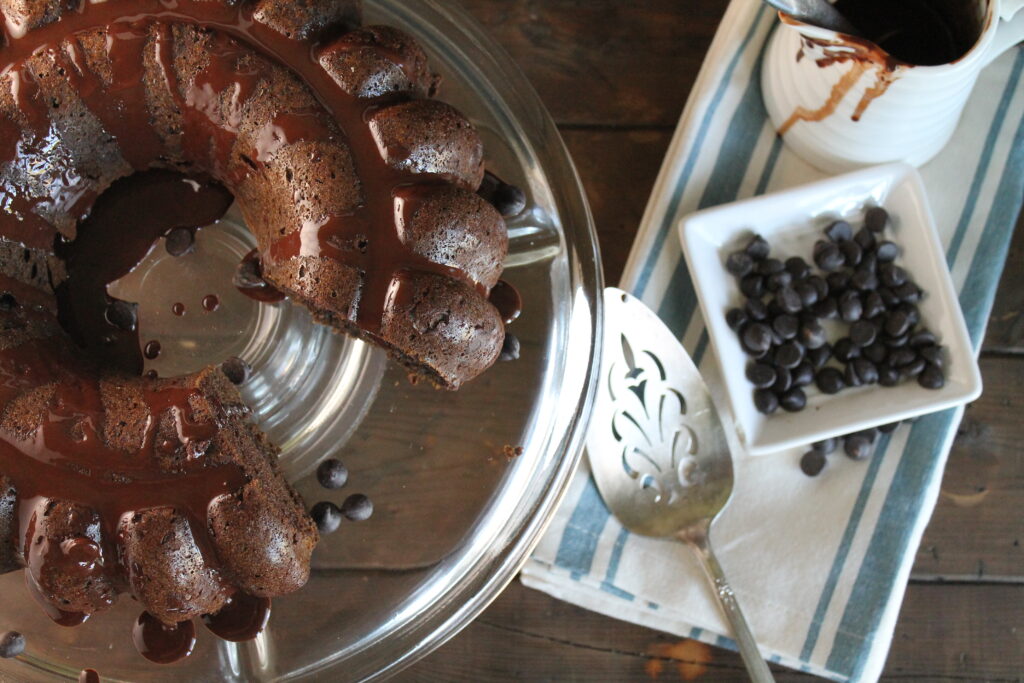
<point>850,307</point>
<point>863,333</point>
<point>908,292</point>
<point>839,231</point>
<point>248,275</point>
<point>913,368</point>
<point>850,376</point>
<point>887,251</point>
<point>756,309</point>
<point>509,200</point>
<point>758,248</point>
<point>852,253</point>
<point>812,335</point>
<point>357,508</point>
<point>838,282</point>
<point>808,293</point>
<point>332,474</point>
<point>863,280</point>
<point>826,446</point>
<point>858,446</point>
<point>891,275</point>
<point>509,348</point>
<point>752,286</point>
<point>932,377</point>
<point>777,281</point>
<point>827,256</point>
<point>326,516</point>
<point>845,350</point>
<point>770,266</point>
<point>902,356</point>
<point>236,370</point>
<point>865,238</point>
<point>819,356</point>
<point>757,338</point>
<point>866,371</point>
<point>802,374</point>
<point>812,463</point>
<point>122,315</point>
<point>826,309</point>
<point>897,342</point>
<point>179,241</point>
<point>12,644</point>
<point>897,323</point>
<point>888,376</point>
<point>820,284</point>
<point>788,300</point>
<point>876,218</point>
<point>873,304</point>
<point>876,353</point>
<point>739,264</point>
<point>789,355</point>
<point>794,400</point>
<point>783,381</point>
<point>830,381</point>
<point>735,318</point>
<point>923,338</point>
<point>786,326</point>
<point>888,297</point>
<point>797,267</point>
<point>932,355</point>
<point>766,401</point>
<point>761,375</point>
<point>913,313</point>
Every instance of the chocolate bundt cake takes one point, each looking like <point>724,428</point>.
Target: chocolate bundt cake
<point>361,193</point>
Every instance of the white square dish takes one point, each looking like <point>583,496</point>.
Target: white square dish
<point>792,221</point>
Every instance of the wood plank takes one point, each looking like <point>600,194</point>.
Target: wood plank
<point>618,169</point>
<point>978,527</point>
<point>957,631</point>
<point>606,62</point>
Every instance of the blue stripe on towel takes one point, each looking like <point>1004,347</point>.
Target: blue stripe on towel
<point>581,534</point>
<point>608,585</point>
<point>691,159</point>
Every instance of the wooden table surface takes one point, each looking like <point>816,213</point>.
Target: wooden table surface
<point>615,75</point>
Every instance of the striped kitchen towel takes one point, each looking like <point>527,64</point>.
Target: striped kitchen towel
<point>820,565</point>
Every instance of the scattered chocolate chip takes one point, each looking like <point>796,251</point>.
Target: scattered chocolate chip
<point>788,300</point>
<point>786,326</point>
<point>845,350</point>
<point>777,281</point>
<point>850,376</point>
<point>236,370</point>
<point>865,238</point>
<point>876,353</point>
<point>761,375</point>
<point>869,262</point>
<point>888,298</point>
<point>326,516</point>
<point>12,644</point>
<point>122,315</point>
<point>812,463</point>
<point>897,342</point>
<point>858,446</point>
<point>766,401</point>
<point>830,381</point>
<point>852,253</point>
<point>867,372</point>
<point>179,241</point>
<point>357,508</point>
<point>758,248</point>
<point>808,293</point>
<point>838,282</point>
<point>888,376</point>
<point>913,368</point>
<point>794,400</point>
<point>908,292</point>
<point>332,474</point>
<point>932,355</point>
<point>891,275</point>
<point>826,309</point>
<point>770,266</point>
<point>873,305</point>
<point>864,280</point>
<point>901,356</point>
<point>897,323</point>
<point>850,307</point>
<point>820,284</point>
<point>863,333</point>
<point>932,377</point>
<point>789,355</point>
<point>827,256</point>
<point>839,231</point>
<point>739,264</point>
<point>923,338</point>
<point>876,218</point>
<point>826,446</point>
<point>509,348</point>
<point>752,286</point>
<point>819,356</point>
<point>756,309</point>
<point>913,313</point>
<point>783,381</point>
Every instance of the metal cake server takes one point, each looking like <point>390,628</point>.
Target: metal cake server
<point>657,448</point>
<point>816,12</point>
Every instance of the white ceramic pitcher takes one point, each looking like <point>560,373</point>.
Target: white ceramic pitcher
<point>843,103</point>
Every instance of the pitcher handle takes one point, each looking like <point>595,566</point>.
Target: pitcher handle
<point>1010,30</point>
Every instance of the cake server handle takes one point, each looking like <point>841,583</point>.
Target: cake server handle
<point>697,538</point>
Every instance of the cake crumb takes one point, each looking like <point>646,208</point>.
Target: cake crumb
<point>512,451</point>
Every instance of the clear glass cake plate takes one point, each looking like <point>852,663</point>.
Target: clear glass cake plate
<point>457,510</point>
